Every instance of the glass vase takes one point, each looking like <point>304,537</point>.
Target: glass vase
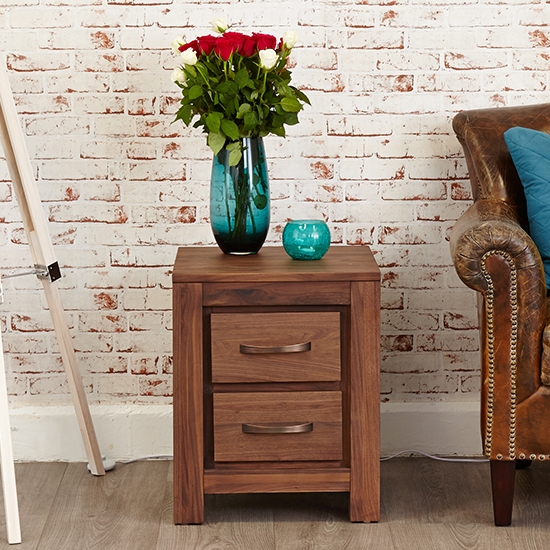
<point>239,199</point>
<point>306,239</point>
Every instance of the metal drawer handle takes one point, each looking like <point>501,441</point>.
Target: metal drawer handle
<point>292,348</point>
<point>278,428</point>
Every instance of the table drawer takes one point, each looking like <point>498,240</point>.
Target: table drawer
<point>275,347</point>
<point>275,426</point>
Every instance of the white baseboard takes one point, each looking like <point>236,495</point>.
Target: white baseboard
<point>124,432</point>
<point>128,432</point>
<point>443,428</point>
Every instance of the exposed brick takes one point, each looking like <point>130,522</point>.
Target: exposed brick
<point>36,364</point>
<point>461,320</point>
<point>475,59</point>
<point>410,363</point>
<point>374,155</point>
<point>156,386</point>
<point>407,234</point>
<point>461,361</point>
<point>89,342</point>
<point>78,213</point>
<point>401,342</point>
<point>101,322</point>
<point>470,383</point>
<point>104,363</point>
<point>408,320</point>
<point>35,62</point>
<point>145,364</point>
<point>448,341</point>
<point>26,323</point>
<point>76,39</point>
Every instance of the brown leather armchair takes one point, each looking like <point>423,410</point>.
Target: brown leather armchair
<point>493,254</point>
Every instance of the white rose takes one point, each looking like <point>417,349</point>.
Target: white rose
<point>219,25</point>
<point>176,43</point>
<point>189,57</point>
<point>289,39</point>
<point>178,76</point>
<point>268,59</point>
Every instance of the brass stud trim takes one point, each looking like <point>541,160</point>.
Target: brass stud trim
<point>489,311</point>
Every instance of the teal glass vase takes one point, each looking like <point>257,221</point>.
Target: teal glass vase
<point>239,199</point>
<point>306,239</point>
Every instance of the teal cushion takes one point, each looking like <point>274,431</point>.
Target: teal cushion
<point>530,151</point>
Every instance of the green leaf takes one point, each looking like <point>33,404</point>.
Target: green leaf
<point>235,152</point>
<point>242,79</point>
<point>227,88</point>
<point>284,90</point>
<point>216,141</point>
<point>260,201</point>
<point>243,109</point>
<point>213,121</point>
<point>250,120</point>
<point>301,96</point>
<point>184,114</point>
<point>190,70</point>
<point>291,119</point>
<point>235,156</point>
<point>194,92</point>
<point>291,104</point>
<point>230,129</point>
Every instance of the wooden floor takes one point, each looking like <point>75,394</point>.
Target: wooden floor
<point>426,504</point>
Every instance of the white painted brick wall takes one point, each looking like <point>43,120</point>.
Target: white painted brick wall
<point>375,156</point>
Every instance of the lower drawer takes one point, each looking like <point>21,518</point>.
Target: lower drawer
<point>277,426</point>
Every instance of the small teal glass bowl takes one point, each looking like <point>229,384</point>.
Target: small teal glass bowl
<point>306,239</point>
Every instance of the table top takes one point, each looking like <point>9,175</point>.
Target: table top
<point>272,264</point>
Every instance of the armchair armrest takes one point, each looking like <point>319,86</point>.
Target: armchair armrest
<point>491,226</point>
<point>493,255</point>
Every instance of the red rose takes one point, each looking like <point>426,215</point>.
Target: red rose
<point>245,45</point>
<point>193,45</point>
<point>248,47</point>
<point>206,44</point>
<point>225,47</point>
<point>265,41</point>
<point>235,36</point>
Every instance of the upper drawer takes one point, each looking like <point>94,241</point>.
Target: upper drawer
<point>276,347</point>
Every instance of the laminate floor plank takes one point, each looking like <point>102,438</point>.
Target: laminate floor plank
<point>37,486</point>
<point>320,521</point>
<point>117,511</point>
<point>429,491</point>
<point>232,522</point>
<point>449,536</point>
<point>426,505</point>
<point>531,513</point>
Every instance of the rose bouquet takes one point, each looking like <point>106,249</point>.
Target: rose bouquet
<point>236,86</point>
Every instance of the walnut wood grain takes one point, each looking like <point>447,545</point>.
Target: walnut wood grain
<point>219,482</point>
<point>209,403</point>
<point>274,294</point>
<point>365,402</point>
<point>188,419</point>
<point>322,409</point>
<point>272,264</point>
<point>274,330</point>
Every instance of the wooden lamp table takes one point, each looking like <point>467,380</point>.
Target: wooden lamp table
<point>276,377</point>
